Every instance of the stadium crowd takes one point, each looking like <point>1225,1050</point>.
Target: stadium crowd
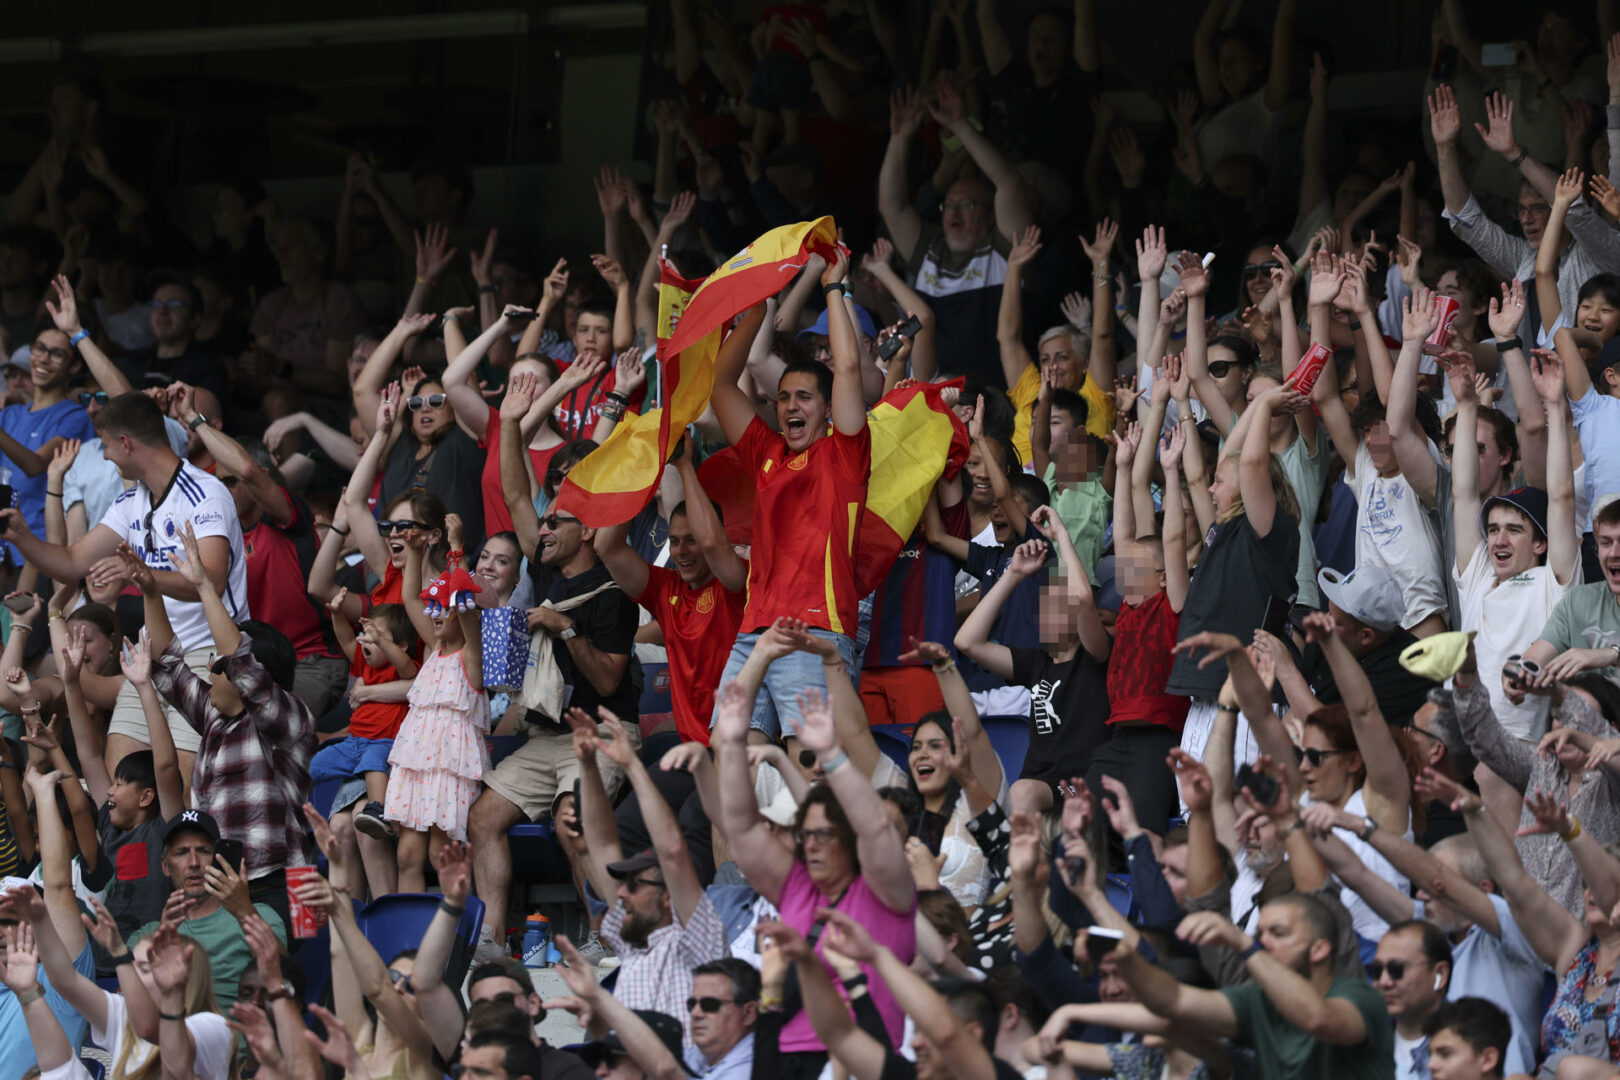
<point>1242,698</point>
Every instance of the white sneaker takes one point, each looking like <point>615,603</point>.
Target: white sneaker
<point>487,950</point>
<point>593,951</point>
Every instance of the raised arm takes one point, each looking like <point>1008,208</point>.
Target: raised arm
<point>680,878</point>
<point>1254,465</point>
<point>628,568</point>
<point>1465,459</point>
<point>1195,283</point>
<point>1012,208</point>
<point>906,112</point>
<point>65,314</point>
<point>1563,542</point>
<point>369,383</point>
<point>1569,188</point>
<point>1010,314</point>
<point>729,567</point>
<point>731,406</point>
<point>469,406</point>
<point>848,398</point>
<point>1094,637</point>
<point>1445,123</point>
<point>759,855</point>
<point>56,862</point>
<point>973,637</point>
<point>1407,439</point>
<point>372,546</point>
<point>1205,1010</point>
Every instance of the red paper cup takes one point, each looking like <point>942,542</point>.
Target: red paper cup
<point>306,921</point>
<point>1303,378</point>
<point>1448,306</point>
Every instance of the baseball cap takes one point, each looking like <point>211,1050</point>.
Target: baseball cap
<point>666,1027</point>
<point>506,967</point>
<point>194,821</point>
<point>1367,593</point>
<point>862,317</point>
<point>19,357</point>
<point>1610,355</point>
<point>641,860</point>
<point>1438,656</point>
<point>1529,501</point>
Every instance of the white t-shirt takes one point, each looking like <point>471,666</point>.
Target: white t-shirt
<point>1394,531</point>
<point>966,873</point>
<point>197,497</point>
<point>209,1032</point>
<point>1368,923</point>
<point>1508,618</point>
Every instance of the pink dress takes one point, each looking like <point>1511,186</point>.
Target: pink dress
<point>439,756</point>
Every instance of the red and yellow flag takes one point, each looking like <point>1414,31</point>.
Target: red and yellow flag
<point>916,439</point>
<point>613,484</point>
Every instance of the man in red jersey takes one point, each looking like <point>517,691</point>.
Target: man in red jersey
<point>697,601</point>
<point>810,493</point>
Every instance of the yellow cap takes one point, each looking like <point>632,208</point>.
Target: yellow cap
<point>1437,657</point>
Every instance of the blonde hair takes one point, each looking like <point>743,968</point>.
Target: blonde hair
<point>199,999</point>
<point>1281,490</point>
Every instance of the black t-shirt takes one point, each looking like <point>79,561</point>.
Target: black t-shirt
<point>1050,124</point>
<point>1239,573</point>
<point>1068,711</point>
<point>1399,693</point>
<point>608,621</point>
<point>196,366</point>
<point>453,470</point>
<point>131,864</point>
<point>897,1067</point>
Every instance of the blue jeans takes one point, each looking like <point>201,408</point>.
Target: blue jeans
<point>777,708</point>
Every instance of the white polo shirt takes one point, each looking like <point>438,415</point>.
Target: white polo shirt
<point>154,530</point>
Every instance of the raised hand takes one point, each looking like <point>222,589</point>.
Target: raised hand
<point>1028,558</point>
<point>555,287</point>
<point>1433,785</point>
<point>482,262</point>
<point>65,312</point>
<point>925,652</point>
<point>61,461</point>
<point>680,210</point>
<point>1606,194</point>
<point>1151,253</point>
<point>609,190</point>
<point>1101,244</point>
<point>190,564</point>
<point>1499,136</point>
<point>169,959</point>
<point>1028,245</point>
<point>1119,807</point>
<point>338,1046</point>
<point>1076,308</point>
<point>21,971</point>
<point>1419,316</point>
<point>906,112</point>
<point>103,928</point>
<point>324,840</point>
<point>629,373</point>
<point>611,271</point>
<point>454,866</point>
<point>1445,118</point>
<point>1548,374</point>
<point>947,108</point>
<point>253,1024</point>
<point>1197,790</point>
<point>1327,278</point>
<point>1550,814</point>
<point>848,936</point>
<point>433,252</point>
<point>877,260</point>
<point>1506,314</point>
<point>1569,187</point>
<point>815,729</point>
<point>1194,278</point>
<point>733,711</point>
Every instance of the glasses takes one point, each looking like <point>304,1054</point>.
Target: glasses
<point>963,205</point>
<point>708,1004</point>
<point>172,305</point>
<point>1220,368</point>
<point>389,528</point>
<point>1414,729</point>
<point>1539,209</point>
<point>1396,969</point>
<point>820,836</point>
<point>401,981</point>
<point>59,355</point>
<point>557,521</point>
<point>1251,269</point>
<point>1315,756</point>
<point>554,477</point>
<point>633,885</point>
<point>100,397</point>
<point>417,402</point>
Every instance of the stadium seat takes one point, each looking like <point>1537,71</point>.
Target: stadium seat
<point>896,746</point>
<point>397,921</point>
<point>1010,737</point>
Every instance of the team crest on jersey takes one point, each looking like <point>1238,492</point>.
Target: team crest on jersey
<point>168,528</point>
<point>705,601</point>
<point>799,462</point>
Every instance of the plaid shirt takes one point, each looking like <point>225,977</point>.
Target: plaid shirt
<point>252,773</point>
<point>659,977</point>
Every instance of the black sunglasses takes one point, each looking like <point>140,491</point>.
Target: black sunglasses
<point>709,1004</point>
<point>417,402</point>
<point>100,397</point>
<point>401,982</point>
<point>1315,756</point>
<point>1396,969</point>
<point>634,884</point>
<point>556,521</point>
<point>1219,368</point>
<point>389,528</point>
<point>1251,269</point>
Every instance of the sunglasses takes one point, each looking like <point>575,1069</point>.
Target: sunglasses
<point>1251,269</point>
<point>1219,368</point>
<point>633,885</point>
<point>708,1004</point>
<point>401,982</point>
<point>60,355</point>
<point>1315,756</point>
<point>417,402</point>
<point>389,528</point>
<point>557,521</point>
<point>1396,969</point>
<point>100,397</point>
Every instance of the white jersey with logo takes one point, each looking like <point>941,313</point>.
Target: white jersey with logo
<point>154,529</point>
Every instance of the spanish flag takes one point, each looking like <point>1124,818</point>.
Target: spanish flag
<point>613,484</point>
<point>916,440</point>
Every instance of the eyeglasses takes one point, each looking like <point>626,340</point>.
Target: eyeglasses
<point>956,204</point>
<point>100,397</point>
<point>557,521</point>
<point>820,836</point>
<point>1315,756</point>
<point>554,477</point>
<point>633,885</point>
<point>401,981</point>
<point>1414,729</point>
<point>416,403</point>
<point>1220,368</point>
<point>1251,269</point>
<point>709,1004</point>
<point>60,355</point>
<point>171,305</point>
<point>1539,209</point>
<point>1396,969</point>
<point>389,528</point>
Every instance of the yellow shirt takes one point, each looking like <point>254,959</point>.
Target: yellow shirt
<point>1099,412</point>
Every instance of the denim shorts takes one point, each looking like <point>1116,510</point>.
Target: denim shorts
<point>776,709</point>
<point>351,757</point>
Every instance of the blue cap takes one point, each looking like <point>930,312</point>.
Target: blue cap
<point>1529,501</point>
<point>862,316</point>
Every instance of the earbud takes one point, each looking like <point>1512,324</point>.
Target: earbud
<point>1438,979</point>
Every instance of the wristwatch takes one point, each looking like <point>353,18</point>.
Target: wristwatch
<point>197,421</point>
<point>567,634</point>
<point>1368,827</point>
<point>285,990</point>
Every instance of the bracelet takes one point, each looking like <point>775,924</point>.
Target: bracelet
<point>450,909</point>
<point>944,668</point>
<point>855,981</point>
<point>181,1017</point>
<point>1292,829</point>
<point>1574,829</point>
<point>1105,278</point>
<point>827,290</point>
<point>78,336</point>
<point>1250,951</point>
<point>613,410</point>
<point>49,494</point>
<point>26,711</point>
<point>340,532</point>
<point>30,997</point>
<point>56,615</point>
<point>1523,153</point>
<point>770,1002</point>
<point>420,280</point>
<point>1355,324</point>
<point>614,395</point>
<point>832,763</point>
<point>121,959</point>
<point>1508,344</point>
<point>486,289</point>
<point>22,628</point>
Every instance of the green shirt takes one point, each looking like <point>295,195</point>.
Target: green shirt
<point>220,936</point>
<point>1586,613</point>
<point>1283,1050</point>
<point>1084,507</point>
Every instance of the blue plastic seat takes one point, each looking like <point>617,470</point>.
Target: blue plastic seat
<point>898,749</point>
<point>1010,738</point>
<point>397,921</point>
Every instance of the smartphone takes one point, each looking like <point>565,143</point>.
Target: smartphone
<point>21,603</point>
<point>579,812</point>
<point>1100,941</point>
<point>7,499</point>
<point>1275,620</point>
<point>1499,55</point>
<point>522,315</point>
<point>892,344</point>
<point>1261,787</point>
<point>231,849</point>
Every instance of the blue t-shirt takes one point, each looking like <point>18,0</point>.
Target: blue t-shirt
<point>34,429</point>
<point>16,1048</point>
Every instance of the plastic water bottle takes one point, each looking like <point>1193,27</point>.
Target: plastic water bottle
<point>536,939</point>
